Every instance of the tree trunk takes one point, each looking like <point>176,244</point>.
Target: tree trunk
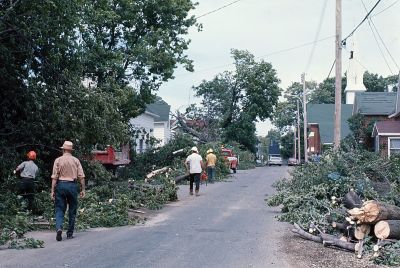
<point>331,240</point>
<point>362,231</point>
<point>352,200</point>
<point>345,228</point>
<point>374,211</point>
<point>389,229</point>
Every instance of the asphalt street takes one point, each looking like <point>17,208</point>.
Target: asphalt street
<point>228,225</point>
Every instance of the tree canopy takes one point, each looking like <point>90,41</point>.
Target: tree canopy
<point>80,69</point>
<point>237,99</point>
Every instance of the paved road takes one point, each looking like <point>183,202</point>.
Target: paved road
<point>228,225</point>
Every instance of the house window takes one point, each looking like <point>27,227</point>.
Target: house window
<point>141,146</point>
<point>394,146</point>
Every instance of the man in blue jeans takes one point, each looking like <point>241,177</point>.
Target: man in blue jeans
<point>66,170</point>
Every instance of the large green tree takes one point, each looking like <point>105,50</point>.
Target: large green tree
<point>80,69</point>
<point>237,99</point>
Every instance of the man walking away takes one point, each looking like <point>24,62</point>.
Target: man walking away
<point>28,174</point>
<point>194,165</point>
<point>211,160</point>
<point>66,170</point>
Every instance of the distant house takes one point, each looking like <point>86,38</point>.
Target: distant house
<point>154,123</point>
<point>321,120</point>
<point>384,113</point>
<point>386,135</point>
<point>162,128</point>
<point>374,107</point>
<point>144,130</point>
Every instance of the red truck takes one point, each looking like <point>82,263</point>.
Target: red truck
<point>232,160</point>
<point>111,158</point>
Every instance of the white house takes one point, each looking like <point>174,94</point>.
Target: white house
<point>162,128</point>
<point>144,127</point>
<point>153,123</point>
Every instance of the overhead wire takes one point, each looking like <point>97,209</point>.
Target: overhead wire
<point>370,21</point>
<point>363,20</point>
<point>265,55</point>
<point>386,8</point>
<point>218,9</point>
<point>355,29</point>
<point>321,17</point>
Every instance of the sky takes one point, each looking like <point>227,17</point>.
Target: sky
<point>277,31</point>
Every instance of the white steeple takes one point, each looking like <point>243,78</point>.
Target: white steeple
<point>354,76</point>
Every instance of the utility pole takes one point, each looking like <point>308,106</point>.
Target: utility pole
<point>303,78</point>
<point>298,132</point>
<point>338,75</point>
<point>294,142</point>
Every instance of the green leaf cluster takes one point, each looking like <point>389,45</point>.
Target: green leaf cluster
<point>237,99</point>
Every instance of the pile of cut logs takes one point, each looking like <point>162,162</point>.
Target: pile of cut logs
<point>371,218</point>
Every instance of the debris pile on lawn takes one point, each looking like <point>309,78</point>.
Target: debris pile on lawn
<point>349,200</point>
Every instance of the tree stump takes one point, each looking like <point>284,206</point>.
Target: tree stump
<point>374,211</point>
<point>389,229</point>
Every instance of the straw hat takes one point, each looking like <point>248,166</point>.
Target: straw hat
<point>194,149</point>
<point>210,151</point>
<point>67,146</point>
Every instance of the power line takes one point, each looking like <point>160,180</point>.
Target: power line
<point>370,21</point>
<point>383,10</point>
<point>376,40</point>
<point>218,9</point>
<point>316,36</point>
<point>364,19</point>
<point>263,56</point>
<point>330,71</point>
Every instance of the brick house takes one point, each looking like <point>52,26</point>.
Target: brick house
<point>386,136</point>
<point>379,118</point>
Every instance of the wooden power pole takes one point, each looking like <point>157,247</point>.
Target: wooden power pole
<point>298,133</point>
<point>338,75</point>
<point>303,78</point>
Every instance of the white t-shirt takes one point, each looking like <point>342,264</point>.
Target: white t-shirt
<point>194,161</point>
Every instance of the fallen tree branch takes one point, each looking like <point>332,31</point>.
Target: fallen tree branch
<point>306,235</point>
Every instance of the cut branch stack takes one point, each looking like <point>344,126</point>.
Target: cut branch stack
<point>375,218</point>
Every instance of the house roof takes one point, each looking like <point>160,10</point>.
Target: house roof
<point>324,116</point>
<point>384,128</point>
<point>160,108</point>
<point>375,103</point>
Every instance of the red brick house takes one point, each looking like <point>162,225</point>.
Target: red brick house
<point>386,135</point>
<point>381,111</point>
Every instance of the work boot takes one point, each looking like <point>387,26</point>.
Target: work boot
<point>70,235</point>
<point>197,193</point>
<point>59,235</point>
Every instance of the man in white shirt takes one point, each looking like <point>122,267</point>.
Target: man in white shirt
<point>194,165</point>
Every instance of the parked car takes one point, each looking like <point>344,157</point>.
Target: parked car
<point>292,162</point>
<point>274,160</point>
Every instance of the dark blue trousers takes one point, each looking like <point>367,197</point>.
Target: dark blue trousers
<point>66,194</point>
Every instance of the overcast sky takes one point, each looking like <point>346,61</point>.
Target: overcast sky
<point>264,27</point>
